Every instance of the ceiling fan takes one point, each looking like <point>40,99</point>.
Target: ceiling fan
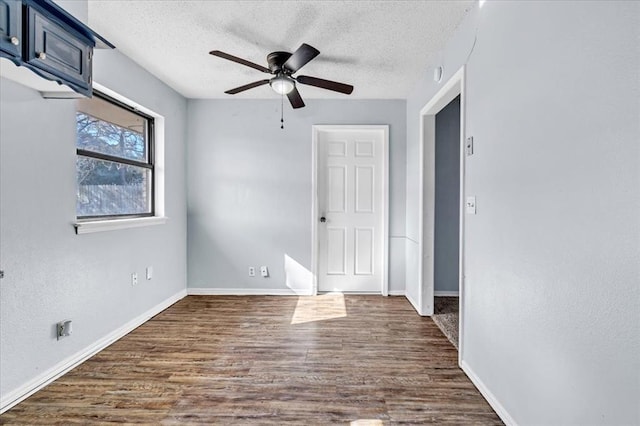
<point>283,65</point>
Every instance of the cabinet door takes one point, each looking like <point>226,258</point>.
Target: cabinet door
<point>10,28</point>
<point>58,51</point>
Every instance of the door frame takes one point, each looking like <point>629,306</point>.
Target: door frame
<point>315,252</point>
<point>426,232</point>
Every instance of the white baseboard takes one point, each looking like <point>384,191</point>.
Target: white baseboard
<point>444,293</point>
<point>488,395</point>
<point>207,291</point>
<point>16,396</point>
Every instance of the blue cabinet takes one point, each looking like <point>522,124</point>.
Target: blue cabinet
<point>10,28</point>
<point>49,41</point>
<point>53,49</point>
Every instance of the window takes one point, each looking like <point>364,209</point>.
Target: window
<point>115,160</point>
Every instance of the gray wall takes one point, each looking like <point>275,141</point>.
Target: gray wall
<point>52,274</point>
<point>552,299</point>
<point>446,237</point>
<point>250,187</point>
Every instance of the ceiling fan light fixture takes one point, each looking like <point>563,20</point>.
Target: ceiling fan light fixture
<point>282,84</point>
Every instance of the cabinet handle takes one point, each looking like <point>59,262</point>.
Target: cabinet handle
<point>41,55</point>
<point>15,40</point>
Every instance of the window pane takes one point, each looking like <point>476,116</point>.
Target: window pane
<point>106,188</point>
<point>110,129</point>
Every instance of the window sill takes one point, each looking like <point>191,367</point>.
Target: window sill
<point>115,224</point>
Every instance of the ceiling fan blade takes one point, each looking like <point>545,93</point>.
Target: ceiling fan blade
<point>325,84</point>
<point>295,98</point>
<point>246,87</point>
<point>301,57</point>
<point>232,58</point>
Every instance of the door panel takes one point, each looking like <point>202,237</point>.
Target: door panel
<point>364,251</point>
<point>365,189</point>
<point>336,251</point>
<point>336,189</point>
<point>351,171</point>
<point>364,149</point>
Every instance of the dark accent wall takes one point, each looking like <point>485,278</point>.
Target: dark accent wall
<point>447,208</point>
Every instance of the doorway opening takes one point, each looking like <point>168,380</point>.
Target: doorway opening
<point>441,233</point>
<point>446,217</point>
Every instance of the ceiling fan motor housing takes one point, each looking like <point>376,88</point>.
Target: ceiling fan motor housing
<point>276,60</point>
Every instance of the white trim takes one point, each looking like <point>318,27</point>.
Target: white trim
<point>461,228</point>
<point>85,227</point>
<point>16,396</point>
<point>314,210</point>
<point>111,225</point>
<point>208,291</point>
<point>455,86</point>
<point>421,211</point>
<point>414,304</point>
<point>385,220</point>
<point>61,95</point>
<point>315,129</point>
<point>28,78</point>
<point>397,293</point>
<point>444,293</point>
<point>490,397</point>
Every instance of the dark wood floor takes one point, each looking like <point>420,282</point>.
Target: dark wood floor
<point>269,360</point>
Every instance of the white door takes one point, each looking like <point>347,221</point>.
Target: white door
<point>351,209</point>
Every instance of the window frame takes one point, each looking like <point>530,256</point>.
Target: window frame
<point>155,157</point>
<point>149,164</point>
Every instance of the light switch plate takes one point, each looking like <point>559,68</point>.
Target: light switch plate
<point>469,145</point>
<point>471,205</point>
<point>264,271</point>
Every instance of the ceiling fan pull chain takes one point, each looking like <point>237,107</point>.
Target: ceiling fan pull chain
<point>282,111</point>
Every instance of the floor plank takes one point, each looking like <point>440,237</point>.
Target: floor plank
<point>328,359</point>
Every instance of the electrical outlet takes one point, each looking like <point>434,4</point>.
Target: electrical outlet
<point>252,271</point>
<point>64,328</point>
<point>134,278</point>
<point>264,271</point>
<point>149,272</point>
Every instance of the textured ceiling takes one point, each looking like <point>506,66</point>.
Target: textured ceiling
<point>380,47</point>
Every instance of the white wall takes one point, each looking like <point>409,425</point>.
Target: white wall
<point>250,187</point>
<point>552,296</point>
<point>52,274</point>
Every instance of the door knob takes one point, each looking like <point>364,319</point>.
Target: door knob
<point>323,219</point>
